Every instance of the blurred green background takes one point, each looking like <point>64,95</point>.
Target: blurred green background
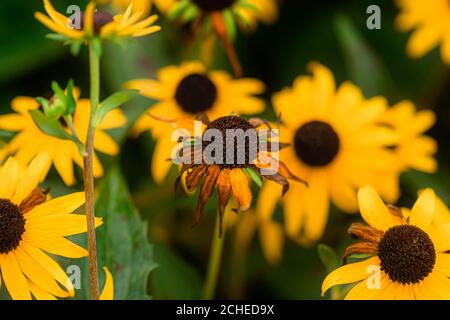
<point>148,232</point>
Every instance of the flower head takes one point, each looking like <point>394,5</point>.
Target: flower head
<point>31,226</point>
<point>430,21</point>
<point>246,13</point>
<point>230,164</point>
<point>94,23</point>
<point>336,145</point>
<point>184,92</point>
<point>30,140</point>
<point>409,252</point>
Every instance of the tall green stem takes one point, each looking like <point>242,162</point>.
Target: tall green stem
<point>215,259</point>
<point>94,64</point>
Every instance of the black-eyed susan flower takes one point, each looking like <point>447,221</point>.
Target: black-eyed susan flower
<point>409,253</point>
<point>232,166</point>
<point>430,21</point>
<point>247,13</point>
<point>336,145</point>
<point>185,91</point>
<point>101,24</point>
<point>31,227</point>
<point>29,140</point>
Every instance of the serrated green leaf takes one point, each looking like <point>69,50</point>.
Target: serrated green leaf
<point>328,257</point>
<point>122,239</point>
<point>52,127</point>
<point>113,101</point>
<point>254,176</point>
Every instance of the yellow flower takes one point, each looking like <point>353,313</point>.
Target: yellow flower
<point>98,23</point>
<point>184,92</point>
<point>409,253</point>
<point>230,178</point>
<point>108,289</point>
<point>413,150</point>
<point>32,227</point>
<point>336,145</point>
<point>30,140</point>
<point>143,6</point>
<point>246,12</point>
<point>430,21</point>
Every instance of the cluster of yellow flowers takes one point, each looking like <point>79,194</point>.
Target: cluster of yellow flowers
<point>350,150</point>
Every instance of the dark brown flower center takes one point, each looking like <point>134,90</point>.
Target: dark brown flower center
<point>101,18</point>
<point>316,143</point>
<point>407,254</point>
<point>196,93</point>
<point>12,226</point>
<point>228,126</point>
<point>213,5</point>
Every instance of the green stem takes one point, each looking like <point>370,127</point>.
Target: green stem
<point>88,156</point>
<point>215,259</point>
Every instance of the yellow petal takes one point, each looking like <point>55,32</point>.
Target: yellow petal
<point>423,210</point>
<point>61,224</point>
<point>50,265</point>
<point>373,210</point>
<point>441,237</point>
<point>15,281</point>
<point>9,177</point>
<point>268,197</point>
<point>272,241</point>
<point>240,188</point>
<point>38,293</point>
<point>60,205</point>
<point>35,173</point>
<point>54,244</point>
<point>89,18</point>
<point>349,273</point>
<point>108,289</point>
<point>162,154</point>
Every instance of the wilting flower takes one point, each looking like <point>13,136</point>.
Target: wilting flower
<point>409,252</point>
<point>108,289</point>
<point>231,168</point>
<point>31,226</point>
<point>101,24</point>
<point>247,13</point>
<point>185,91</point>
<point>336,145</point>
<point>430,21</point>
<point>30,140</point>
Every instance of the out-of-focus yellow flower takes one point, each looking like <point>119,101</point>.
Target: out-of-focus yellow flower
<point>409,253</point>
<point>101,24</point>
<point>184,92</point>
<point>247,13</point>
<point>336,145</point>
<point>31,226</point>
<point>121,5</point>
<point>30,140</point>
<point>430,21</point>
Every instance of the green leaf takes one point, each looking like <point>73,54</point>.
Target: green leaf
<point>52,127</point>
<point>178,9</point>
<point>174,278</point>
<point>75,47</point>
<point>328,257</point>
<point>113,101</point>
<point>365,67</point>
<point>56,37</point>
<point>70,99</point>
<point>122,239</point>
<point>230,24</point>
<point>255,177</point>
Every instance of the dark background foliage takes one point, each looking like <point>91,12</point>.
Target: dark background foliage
<point>332,32</point>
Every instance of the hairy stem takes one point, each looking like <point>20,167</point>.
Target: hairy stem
<point>88,172</point>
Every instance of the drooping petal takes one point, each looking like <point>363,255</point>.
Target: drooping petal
<point>108,289</point>
<point>373,210</point>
